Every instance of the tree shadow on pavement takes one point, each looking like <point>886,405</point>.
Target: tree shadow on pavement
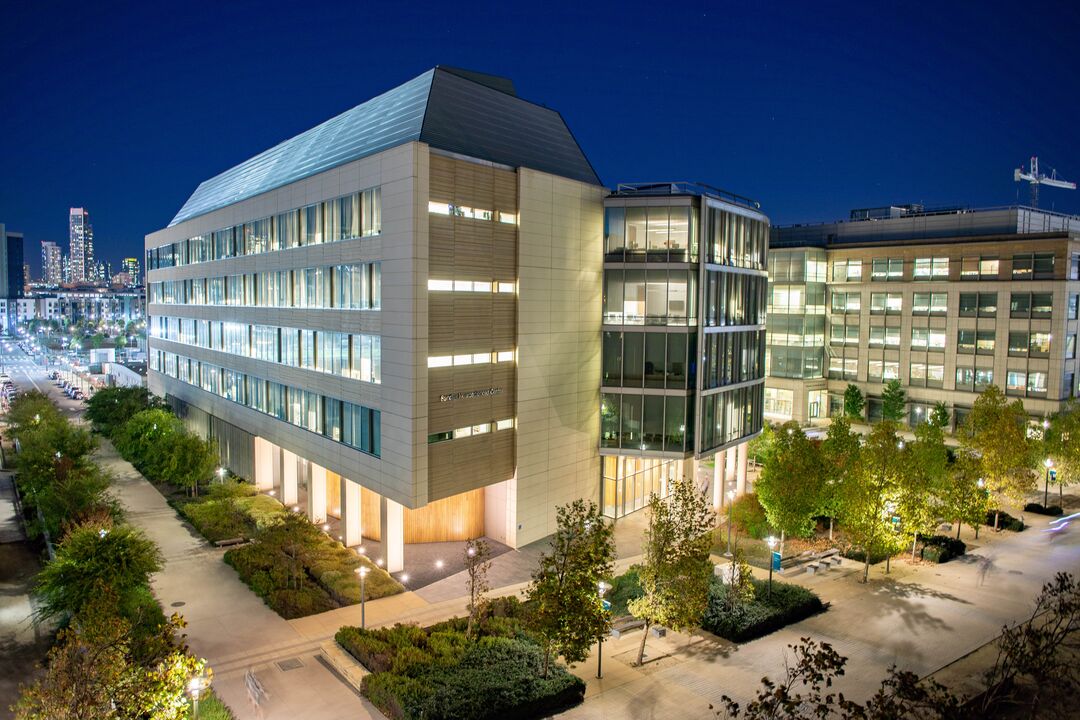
<point>903,599</point>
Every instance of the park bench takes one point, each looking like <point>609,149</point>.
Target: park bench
<point>229,542</point>
<point>625,624</point>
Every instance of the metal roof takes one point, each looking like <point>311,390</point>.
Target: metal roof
<point>455,110</point>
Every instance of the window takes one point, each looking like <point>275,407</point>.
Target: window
<point>846,302</point>
<point>1070,347</point>
<point>926,375</point>
<point>887,269</point>
<point>929,303</point>
<point>884,337</point>
<point>882,370</point>
<point>965,341</point>
<point>1074,267</point>
<point>1020,305</point>
<point>927,338</point>
<point>843,368</point>
<point>1074,307</point>
<point>1036,383</point>
<point>984,342</point>
<point>1042,305</point>
<point>844,334</point>
<point>1032,265</point>
<point>885,303</point>
<point>974,268</point>
<point>1039,345</point>
<point>1015,382</point>
<point>931,268</point>
<point>847,271</point>
<point>1018,342</point>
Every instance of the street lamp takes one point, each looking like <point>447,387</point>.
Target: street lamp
<point>362,571</point>
<point>602,587</point>
<point>195,688</point>
<point>731,500</point>
<point>221,474</point>
<point>1046,486</point>
<point>772,544</point>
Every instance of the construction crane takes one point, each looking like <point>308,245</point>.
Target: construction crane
<point>1036,179</point>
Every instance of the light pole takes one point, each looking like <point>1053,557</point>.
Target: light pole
<point>221,474</point>
<point>602,587</point>
<point>1046,486</point>
<point>772,543</point>
<point>730,500</point>
<point>195,688</point>
<point>362,571</point>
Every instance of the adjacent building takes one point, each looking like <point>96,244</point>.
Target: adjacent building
<point>52,267</point>
<point>683,368</point>
<point>947,301</point>
<point>81,246</point>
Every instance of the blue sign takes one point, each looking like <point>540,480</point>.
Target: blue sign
<point>775,560</point>
<point>605,604</point>
<point>1053,475</point>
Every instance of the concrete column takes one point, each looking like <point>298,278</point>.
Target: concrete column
<point>350,513</point>
<point>392,520</point>
<point>718,477</point>
<point>316,496</point>
<point>288,478</point>
<point>264,464</point>
<point>740,470</point>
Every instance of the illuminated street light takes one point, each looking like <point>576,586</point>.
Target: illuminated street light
<point>362,571</point>
<point>602,588</point>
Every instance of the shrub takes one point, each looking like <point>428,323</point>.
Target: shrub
<point>942,548</point>
<point>788,604</point>
<point>217,519</point>
<point>1038,509</point>
<point>859,555</point>
<point>624,588</point>
<point>749,517</point>
<point>211,708</point>
<point>372,652</point>
<point>1005,521</point>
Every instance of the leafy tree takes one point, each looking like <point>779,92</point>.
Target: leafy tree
<point>922,482</point>
<point>29,412</point>
<point>568,614</point>
<point>791,483</point>
<point>964,498</point>
<point>854,402</point>
<point>940,416</point>
<point>141,438</point>
<point>762,446</point>
<point>110,408</point>
<point>1062,440</point>
<point>675,569</point>
<point>92,558</point>
<point>841,453</point>
<point>741,582</point>
<point>100,669</point>
<point>996,431</point>
<point>870,494</point>
<point>187,461</point>
<point>893,401</point>
<point>477,564</point>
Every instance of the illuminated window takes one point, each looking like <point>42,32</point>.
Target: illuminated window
<point>506,356</point>
<point>504,424</point>
<point>440,361</point>
<point>438,208</point>
<point>506,287</point>
<point>463,360</point>
<point>508,218</point>
<point>440,285</point>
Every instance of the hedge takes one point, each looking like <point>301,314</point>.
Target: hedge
<point>1005,521</point>
<point>942,548</point>
<point>436,673</point>
<point>763,615</point>
<point>1038,509</point>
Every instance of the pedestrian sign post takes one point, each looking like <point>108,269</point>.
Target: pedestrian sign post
<point>776,561</point>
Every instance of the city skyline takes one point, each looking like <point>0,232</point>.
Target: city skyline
<point>811,114</point>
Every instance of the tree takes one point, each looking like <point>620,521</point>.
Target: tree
<point>1062,441</point>
<point>477,564</point>
<point>761,446</point>
<point>841,453</point>
<point>141,438</point>
<point>965,499</point>
<point>91,559</point>
<point>870,494</point>
<point>996,431</point>
<point>568,614</point>
<point>791,483</point>
<point>940,416</point>
<point>853,402</point>
<point>893,401</point>
<point>675,568</point>
<point>922,482</point>
<point>100,670</point>
<point>188,461</point>
<point>110,408</point>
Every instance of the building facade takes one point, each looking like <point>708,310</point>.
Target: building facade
<point>80,246</point>
<point>683,365</point>
<point>398,327</point>
<point>948,302</point>
<point>52,264</point>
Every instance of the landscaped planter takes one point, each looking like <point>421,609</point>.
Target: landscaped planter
<point>788,604</point>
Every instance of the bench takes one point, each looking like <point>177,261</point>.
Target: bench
<point>625,624</point>
<point>229,542</point>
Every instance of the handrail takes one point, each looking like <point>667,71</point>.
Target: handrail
<point>684,187</point>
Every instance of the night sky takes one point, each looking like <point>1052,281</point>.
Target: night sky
<point>812,108</point>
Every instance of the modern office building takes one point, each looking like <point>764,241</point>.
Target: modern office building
<point>683,339</point>
<point>945,301</point>
<point>393,319</point>
<point>80,245</point>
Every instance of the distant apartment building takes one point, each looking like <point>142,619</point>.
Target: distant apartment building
<point>399,327</point>
<point>947,302</point>
<point>80,247</point>
<point>52,265</point>
<point>130,268</point>
<point>683,339</point>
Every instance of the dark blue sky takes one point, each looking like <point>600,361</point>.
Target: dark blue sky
<point>812,108</point>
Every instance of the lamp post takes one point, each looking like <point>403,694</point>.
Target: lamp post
<point>1046,486</point>
<point>221,474</point>
<point>772,544</point>
<point>195,688</point>
<point>602,587</point>
<point>362,572</point>
<point>731,499</point>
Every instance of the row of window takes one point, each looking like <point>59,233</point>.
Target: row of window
<point>1025,266</point>
<point>354,425</point>
<point>737,240</point>
<point>356,356</point>
<point>654,297</point>
<point>441,208</point>
<point>470,430</point>
<point>796,330</point>
<point>343,218</point>
<point>732,357</point>
<point>808,298</point>
<point>480,286</point>
<point>932,375</point>
<point>647,422</point>
<point>651,234</point>
<point>969,341</point>
<point>795,362</point>
<point>1021,305</point>
<point>730,415</point>
<point>735,299</point>
<point>353,287</point>
<point>652,360</point>
<point>483,358</point>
